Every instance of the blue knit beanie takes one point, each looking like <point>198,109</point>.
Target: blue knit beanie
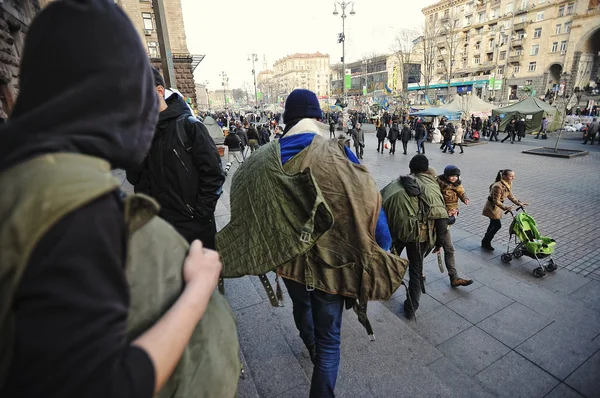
<point>301,104</point>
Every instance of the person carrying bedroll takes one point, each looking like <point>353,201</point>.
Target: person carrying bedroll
<point>98,296</point>
<point>320,212</point>
<point>182,170</point>
<point>418,221</point>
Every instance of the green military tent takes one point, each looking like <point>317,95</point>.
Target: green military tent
<point>531,109</point>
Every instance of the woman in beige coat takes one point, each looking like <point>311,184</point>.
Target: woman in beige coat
<point>458,138</point>
<point>500,190</point>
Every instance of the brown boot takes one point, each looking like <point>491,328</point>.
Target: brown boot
<point>456,282</point>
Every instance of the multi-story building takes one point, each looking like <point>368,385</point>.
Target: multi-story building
<point>15,17</point>
<point>503,49</point>
<point>368,76</point>
<point>310,71</point>
<point>142,16</point>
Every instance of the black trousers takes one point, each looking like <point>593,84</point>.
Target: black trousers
<point>380,144</point>
<point>204,229</point>
<point>393,146</point>
<point>509,135</point>
<point>414,253</point>
<point>404,146</point>
<point>494,227</point>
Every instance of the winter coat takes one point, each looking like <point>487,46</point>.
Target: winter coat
<point>460,133</point>
<point>420,132</point>
<point>510,128</point>
<point>233,142</point>
<point>494,205</point>
<point>381,133</point>
<point>451,192</point>
<point>520,127</point>
<point>358,137</point>
<point>252,133</point>
<point>405,134</point>
<point>243,136</point>
<point>394,132</point>
<point>186,182</point>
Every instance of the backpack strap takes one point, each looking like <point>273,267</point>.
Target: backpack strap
<point>182,134</point>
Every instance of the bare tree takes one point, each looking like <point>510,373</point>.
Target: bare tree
<point>404,51</point>
<point>448,44</point>
<point>426,48</point>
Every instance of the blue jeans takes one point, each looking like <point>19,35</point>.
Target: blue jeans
<point>318,317</point>
<point>421,146</point>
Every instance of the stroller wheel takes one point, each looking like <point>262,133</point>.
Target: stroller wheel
<point>551,267</point>
<point>518,253</point>
<point>506,258</point>
<point>539,272</point>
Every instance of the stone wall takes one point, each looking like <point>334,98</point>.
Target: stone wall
<point>183,75</point>
<point>15,17</point>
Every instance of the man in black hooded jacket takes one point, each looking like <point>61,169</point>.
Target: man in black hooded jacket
<point>71,305</point>
<point>182,170</point>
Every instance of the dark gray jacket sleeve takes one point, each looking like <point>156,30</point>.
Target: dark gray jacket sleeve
<point>207,160</point>
<point>441,229</point>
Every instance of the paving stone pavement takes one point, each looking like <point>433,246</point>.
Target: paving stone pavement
<point>509,334</point>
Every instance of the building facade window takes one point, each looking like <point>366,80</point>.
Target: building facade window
<point>567,27</point>
<point>554,47</point>
<point>532,66</point>
<point>509,8</point>
<point>563,46</point>
<point>561,11</point>
<point>501,70</point>
<point>477,60</point>
<point>537,33</point>
<point>524,4</point>
<point>570,8</point>
<point>528,82</point>
<point>516,69</point>
<point>477,46</point>
<point>557,30</point>
<point>481,17</point>
<point>535,49</point>
<point>148,21</point>
<point>539,16</point>
<point>153,51</point>
<point>502,55</point>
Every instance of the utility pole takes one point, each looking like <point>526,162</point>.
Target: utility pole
<point>342,39</point>
<point>164,44</point>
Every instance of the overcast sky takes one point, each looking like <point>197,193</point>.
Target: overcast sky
<point>227,31</point>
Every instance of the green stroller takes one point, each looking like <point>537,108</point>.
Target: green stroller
<point>530,242</point>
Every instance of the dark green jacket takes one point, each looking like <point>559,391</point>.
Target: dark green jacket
<point>47,188</point>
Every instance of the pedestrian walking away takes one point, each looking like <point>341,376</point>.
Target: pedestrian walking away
<point>182,170</point>
<point>405,136</point>
<point>99,297</point>
<point>381,135</point>
<point>500,190</point>
<point>418,221</point>
<point>593,130</point>
<point>235,149</point>
<point>458,138</point>
<point>393,136</point>
<point>420,137</point>
<point>452,192</point>
<point>520,128</point>
<point>314,266</point>
<point>543,129</point>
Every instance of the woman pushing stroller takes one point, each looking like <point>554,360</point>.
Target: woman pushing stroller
<point>500,190</point>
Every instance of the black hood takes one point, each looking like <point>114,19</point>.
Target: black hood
<point>176,107</point>
<point>86,87</point>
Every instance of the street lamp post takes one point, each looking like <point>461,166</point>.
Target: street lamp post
<point>366,63</point>
<point>342,38</point>
<point>224,81</point>
<point>254,58</point>
<point>205,83</point>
